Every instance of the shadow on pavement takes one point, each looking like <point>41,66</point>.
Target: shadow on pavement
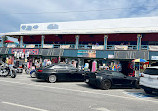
<point>88,86</point>
<point>38,80</point>
<point>139,93</point>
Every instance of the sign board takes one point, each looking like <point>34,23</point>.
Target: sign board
<point>153,48</point>
<point>31,51</point>
<point>154,57</point>
<point>86,53</point>
<point>110,56</point>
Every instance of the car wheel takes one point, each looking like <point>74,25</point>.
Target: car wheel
<point>136,85</point>
<point>13,75</point>
<point>21,71</point>
<point>148,91</point>
<point>33,75</point>
<point>106,84</point>
<point>52,79</point>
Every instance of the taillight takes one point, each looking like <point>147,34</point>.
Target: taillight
<point>39,70</point>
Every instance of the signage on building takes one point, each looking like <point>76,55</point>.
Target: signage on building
<point>31,51</point>
<point>86,53</point>
<point>110,56</point>
<point>154,57</point>
<point>38,27</point>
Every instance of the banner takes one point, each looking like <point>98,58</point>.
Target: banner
<point>11,45</point>
<point>31,51</point>
<point>30,46</point>
<point>86,53</point>
<point>100,47</point>
<point>47,46</point>
<point>64,46</point>
<point>154,48</point>
<point>154,57</point>
<point>121,47</point>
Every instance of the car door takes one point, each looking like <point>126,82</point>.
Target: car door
<point>62,73</point>
<point>120,79</point>
<point>75,74</point>
<point>117,78</point>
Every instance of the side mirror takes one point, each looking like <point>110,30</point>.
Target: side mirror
<point>125,76</point>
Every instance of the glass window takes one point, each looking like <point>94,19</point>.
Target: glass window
<point>59,67</point>
<point>151,71</point>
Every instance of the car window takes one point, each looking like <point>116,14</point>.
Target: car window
<point>118,74</point>
<point>71,68</point>
<point>59,67</point>
<point>151,71</point>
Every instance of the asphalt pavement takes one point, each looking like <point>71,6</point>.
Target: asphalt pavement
<point>24,93</point>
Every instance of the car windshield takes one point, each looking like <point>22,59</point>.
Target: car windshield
<point>151,71</point>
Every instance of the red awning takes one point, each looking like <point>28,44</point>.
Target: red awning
<point>8,41</point>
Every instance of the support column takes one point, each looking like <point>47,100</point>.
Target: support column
<point>42,40</point>
<point>21,41</point>
<point>139,37</point>
<point>105,41</point>
<point>2,41</point>
<point>77,41</point>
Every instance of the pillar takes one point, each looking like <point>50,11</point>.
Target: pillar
<point>139,36</point>
<point>77,41</point>
<point>2,41</point>
<point>21,41</point>
<point>105,41</point>
<point>42,40</point>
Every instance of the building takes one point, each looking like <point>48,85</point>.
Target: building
<point>106,40</point>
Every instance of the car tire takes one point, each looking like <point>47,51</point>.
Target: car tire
<point>52,79</point>
<point>13,75</point>
<point>33,75</point>
<point>148,91</point>
<point>136,85</point>
<point>106,84</point>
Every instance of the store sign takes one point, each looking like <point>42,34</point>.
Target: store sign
<point>110,56</point>
<point>31,51</point>
<point>154,57</point>
<point>86,53</point>
<point>153,48</point>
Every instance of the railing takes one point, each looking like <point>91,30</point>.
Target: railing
<point>83,46</point>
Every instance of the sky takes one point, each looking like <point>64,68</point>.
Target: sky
<point>16,12</point>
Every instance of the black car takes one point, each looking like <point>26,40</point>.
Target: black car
<point>106,79</point>
<point>59,72</point>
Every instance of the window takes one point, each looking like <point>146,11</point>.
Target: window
<point>151,71</point>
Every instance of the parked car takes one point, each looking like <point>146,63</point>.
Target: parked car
<point>106,79</point>
<point>149,79</point>
<point>59,72</point>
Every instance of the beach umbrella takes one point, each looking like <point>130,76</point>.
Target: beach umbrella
<point>139,60</point>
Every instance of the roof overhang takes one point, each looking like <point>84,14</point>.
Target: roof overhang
<point>92,31</point>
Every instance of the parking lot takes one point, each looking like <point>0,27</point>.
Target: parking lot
<point>24,93</point>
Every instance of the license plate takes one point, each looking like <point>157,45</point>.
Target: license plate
<point>87,80</point>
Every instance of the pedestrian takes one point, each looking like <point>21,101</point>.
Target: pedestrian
<point>49,62</point>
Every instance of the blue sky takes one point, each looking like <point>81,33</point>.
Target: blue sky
<point>16,12</point>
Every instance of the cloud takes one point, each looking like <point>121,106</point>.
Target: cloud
<point>14,13</point>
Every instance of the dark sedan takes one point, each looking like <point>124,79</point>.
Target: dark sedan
<point>59,72</point>
<point>107,79</point>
